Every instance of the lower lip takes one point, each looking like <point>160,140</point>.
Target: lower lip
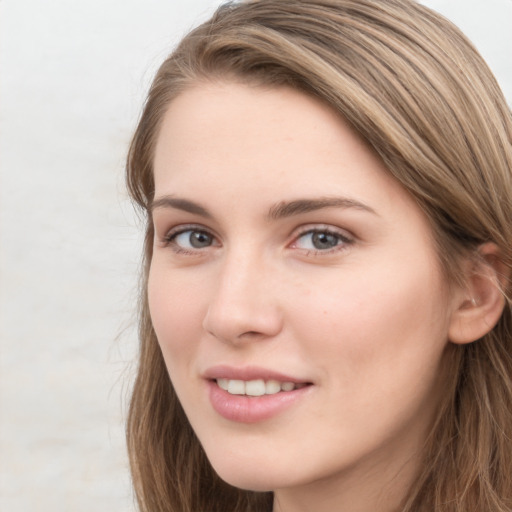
<point>246,409</point>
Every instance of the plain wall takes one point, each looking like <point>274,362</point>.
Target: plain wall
<point>72,80</point>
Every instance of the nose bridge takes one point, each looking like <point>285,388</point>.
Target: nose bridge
<point>242,302</point>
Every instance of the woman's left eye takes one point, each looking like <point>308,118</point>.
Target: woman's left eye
<point>321,240</point>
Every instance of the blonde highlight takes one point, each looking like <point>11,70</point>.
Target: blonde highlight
<point>418,92</point>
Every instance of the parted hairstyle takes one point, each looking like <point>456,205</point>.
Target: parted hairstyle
<point>417,91</point>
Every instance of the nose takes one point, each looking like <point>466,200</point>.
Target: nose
<point>243,305</point>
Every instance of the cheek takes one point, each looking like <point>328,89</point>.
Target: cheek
<point>373,323</point>
<point>378,350</point>
<point>176,313</point>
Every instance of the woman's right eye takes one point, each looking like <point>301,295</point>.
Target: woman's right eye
<point>188,240</point>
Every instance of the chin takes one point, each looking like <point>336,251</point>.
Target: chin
<point>245,475</point>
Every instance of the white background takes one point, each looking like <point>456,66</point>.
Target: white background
<point>72,80</point>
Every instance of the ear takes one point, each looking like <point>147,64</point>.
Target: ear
<point>480,304</point>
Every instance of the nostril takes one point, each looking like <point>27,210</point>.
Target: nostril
<point>250,335</point>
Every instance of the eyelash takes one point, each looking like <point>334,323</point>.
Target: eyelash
<point>343,239</point>
<point>170,238</point>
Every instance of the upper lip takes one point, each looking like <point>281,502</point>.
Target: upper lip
<point>248,373</point>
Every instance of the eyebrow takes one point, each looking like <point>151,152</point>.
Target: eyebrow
<point>279,211</point>
<point>298,206</point>
<point>180,204</point>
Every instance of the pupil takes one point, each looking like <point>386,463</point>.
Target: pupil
<point>198,239</point>
<point>324,240</point>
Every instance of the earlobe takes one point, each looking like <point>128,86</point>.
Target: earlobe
<point>481,305</point>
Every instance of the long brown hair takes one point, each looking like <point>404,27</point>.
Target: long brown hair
<point>414,87</point>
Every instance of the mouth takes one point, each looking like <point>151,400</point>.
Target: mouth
<point>254,394</point>
<point>257,387</point>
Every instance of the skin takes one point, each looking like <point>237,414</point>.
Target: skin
<point>365,321</point>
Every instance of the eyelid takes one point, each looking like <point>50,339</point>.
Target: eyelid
<point>307,228</point>
<point>168,238</point>
<point>345,236</point>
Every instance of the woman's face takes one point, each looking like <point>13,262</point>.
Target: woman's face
<point>291,269</point>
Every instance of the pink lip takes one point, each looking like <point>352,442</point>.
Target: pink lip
<point>248,373</point>
<point>245,409</point>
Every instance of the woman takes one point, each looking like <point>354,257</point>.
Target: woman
<point>325,313</point>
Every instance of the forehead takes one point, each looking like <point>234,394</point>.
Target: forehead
<point>240,115</point>
<point>231,131</point>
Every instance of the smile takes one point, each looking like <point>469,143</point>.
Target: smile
<point>258,387</point>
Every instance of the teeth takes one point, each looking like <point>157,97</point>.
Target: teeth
<point>272,387</point>
<point>223,383</point>
<point>236,387</point>
<point>257,387</point>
